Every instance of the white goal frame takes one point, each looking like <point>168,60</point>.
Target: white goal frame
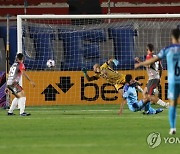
<point>111,16</point>
<point>108,16</point>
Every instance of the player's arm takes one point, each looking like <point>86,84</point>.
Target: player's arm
<point>139,89</point>
<point>138,86</point>
<point>92,78</point>
<point>147,62</point>
<point>124,95</point>
<point>137,59</point>
<point>159,56</point>
<point>122,107</point>
<point>160,68</point>
<point>112,60</point>
<point>138,83</point>
<point>27,77</point>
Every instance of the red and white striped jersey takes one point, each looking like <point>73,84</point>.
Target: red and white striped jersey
<point>15,73</point>
<point>153,69</point>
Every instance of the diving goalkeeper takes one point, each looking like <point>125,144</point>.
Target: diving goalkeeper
<point>106,72</point>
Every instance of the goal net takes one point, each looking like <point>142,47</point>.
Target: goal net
<point>80,41</point>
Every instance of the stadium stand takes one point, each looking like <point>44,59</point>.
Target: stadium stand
<point>15,7</point>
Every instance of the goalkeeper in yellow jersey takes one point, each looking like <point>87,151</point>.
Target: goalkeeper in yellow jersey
<point>105,71</point>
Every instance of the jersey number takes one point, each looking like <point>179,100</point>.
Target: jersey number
<point>12,71</point>
<point>177,69</point>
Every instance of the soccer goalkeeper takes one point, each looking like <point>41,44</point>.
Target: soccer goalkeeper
<point>106,72</point>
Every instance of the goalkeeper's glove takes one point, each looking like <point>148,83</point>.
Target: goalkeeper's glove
<point>84,70</point>
<point>116,62</point>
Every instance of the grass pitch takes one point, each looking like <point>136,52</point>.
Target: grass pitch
<point>83,130</point>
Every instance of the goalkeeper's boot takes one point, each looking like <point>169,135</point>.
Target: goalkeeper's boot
<point>25,114</point>
<point>10,114</point>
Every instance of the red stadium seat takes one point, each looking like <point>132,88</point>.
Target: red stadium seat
<point>142,1</point>
<point>30,2</point>
<point>15,7</point>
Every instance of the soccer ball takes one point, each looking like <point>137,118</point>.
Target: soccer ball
<point>50,63</point>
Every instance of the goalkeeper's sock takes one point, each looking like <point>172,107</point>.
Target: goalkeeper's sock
<point>13,105</point>
<point>21,103</point>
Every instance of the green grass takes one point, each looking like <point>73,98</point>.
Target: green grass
<point>82,130</point>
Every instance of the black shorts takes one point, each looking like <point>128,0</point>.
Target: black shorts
<point>151,85</point>
<point>15,88</point>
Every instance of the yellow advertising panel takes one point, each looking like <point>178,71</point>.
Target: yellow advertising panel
<point>71,88</point>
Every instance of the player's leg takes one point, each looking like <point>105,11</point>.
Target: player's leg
<point>15,100</point>
<point>173,93</point>
<point>156,99</point>
<point>13,106</point>
<point>153,92</point>
<point>20,100</point>
<point>151,110</point>
<point>146,105</point>
<point>120,90</point>
<point>172,116</point>
<point>22,104</point>
<point>145,92</point>
<point>132,108</point>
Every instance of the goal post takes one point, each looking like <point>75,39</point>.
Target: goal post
<point>80,41</point>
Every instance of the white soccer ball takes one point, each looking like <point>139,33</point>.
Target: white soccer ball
<point>50,63</point>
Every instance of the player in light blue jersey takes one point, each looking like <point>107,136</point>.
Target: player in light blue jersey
<point>172,54</point>
<point>130,95</point>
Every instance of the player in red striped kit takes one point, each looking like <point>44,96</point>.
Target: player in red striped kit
<point>154,72</point>
<point>15,74</point>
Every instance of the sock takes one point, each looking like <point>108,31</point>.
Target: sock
<point>13,105</point>
<point>172,116</point>
<point>162,103</point>
<point>149,109</point>
<point>21,104</point>
<point>146,107</point>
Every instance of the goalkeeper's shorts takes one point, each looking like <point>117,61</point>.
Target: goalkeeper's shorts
<point>119,86</point>
<point>120,83</point>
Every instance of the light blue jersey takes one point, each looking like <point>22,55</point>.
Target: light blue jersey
<point>172,54</point>
<point>130,94</point>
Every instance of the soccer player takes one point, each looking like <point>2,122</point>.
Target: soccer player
<point>154,72</point>
<point>15,73</point>
<point>172,54</point>
<point>106,72</point>
<point>130,96</point>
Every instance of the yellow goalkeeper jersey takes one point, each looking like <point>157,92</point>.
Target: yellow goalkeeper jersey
<point>111,76</point>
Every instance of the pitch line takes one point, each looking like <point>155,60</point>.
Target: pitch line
<point>47,145</point>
